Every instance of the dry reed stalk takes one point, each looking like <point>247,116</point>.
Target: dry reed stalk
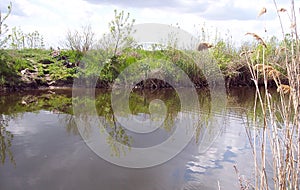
<point>241,180</point>
<point>246,52</point>
<point>281,121</point>
<point>293,69</point>
<point>259,166</point>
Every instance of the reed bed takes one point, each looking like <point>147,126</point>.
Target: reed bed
<point>276,144</point>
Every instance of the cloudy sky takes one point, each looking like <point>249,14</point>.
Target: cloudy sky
<point>219,17</point>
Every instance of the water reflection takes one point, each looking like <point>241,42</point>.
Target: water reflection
<point>6,138</point>
<point>40,137</point>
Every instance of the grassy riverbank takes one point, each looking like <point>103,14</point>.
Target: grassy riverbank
<point>41,68</point>
<point>33,68</point>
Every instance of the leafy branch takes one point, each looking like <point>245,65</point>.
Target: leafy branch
<point>3,26</point>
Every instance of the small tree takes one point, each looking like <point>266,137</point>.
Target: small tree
<point>19,40</point>
<point>82,40</point>
<point>34,40</point>
<point>3,26</point>
<point>120,31</point>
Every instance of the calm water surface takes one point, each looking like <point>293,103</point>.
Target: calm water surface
<point>41,147</point>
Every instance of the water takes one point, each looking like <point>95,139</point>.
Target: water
<point>41,145</point>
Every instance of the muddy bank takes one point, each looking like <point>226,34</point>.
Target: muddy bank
<point>241,80</point>
<point>244,78</point>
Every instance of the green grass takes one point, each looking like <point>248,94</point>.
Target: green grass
<point>12,62</point>
<point>233,66</point>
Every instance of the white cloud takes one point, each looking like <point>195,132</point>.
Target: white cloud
<point>53,18</point>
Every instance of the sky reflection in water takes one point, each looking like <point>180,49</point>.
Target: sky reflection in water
<point>49,153</point>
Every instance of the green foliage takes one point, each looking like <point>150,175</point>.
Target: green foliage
<point>265,55</point>
<point>112,67</point>
<point>2,80</point>
<point>12,62</point>
<point>7,71</point>
<point>92,63</point>
<point>20,64</point>
<point>115,65</point>
<point>57,71</point>
<point>223,54</point>
<point>4,59</point>
<point>72,56</point>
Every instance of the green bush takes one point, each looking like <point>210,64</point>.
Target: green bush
<point>20,64</point>
<point>72,56</point>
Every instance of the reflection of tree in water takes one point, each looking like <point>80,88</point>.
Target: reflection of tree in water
<point>139,102</point>
<point>60,103</point>
<point>205,104</point>
<point>69,122</point>
<point>6,138</point>
<point>117,139</point>
<point>118,134</point>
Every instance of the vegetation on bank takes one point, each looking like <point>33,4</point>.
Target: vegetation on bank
<point>25,63</point>
<point>33,68</point>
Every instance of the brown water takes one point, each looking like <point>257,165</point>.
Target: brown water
<point>41,147</point>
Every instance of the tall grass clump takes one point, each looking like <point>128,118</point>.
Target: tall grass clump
<point>276,144</point>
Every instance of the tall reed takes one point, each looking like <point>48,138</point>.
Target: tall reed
<point>276,144</point>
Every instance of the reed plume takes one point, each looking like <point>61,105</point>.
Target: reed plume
<point>258,38</point>
<point>262,11</point>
